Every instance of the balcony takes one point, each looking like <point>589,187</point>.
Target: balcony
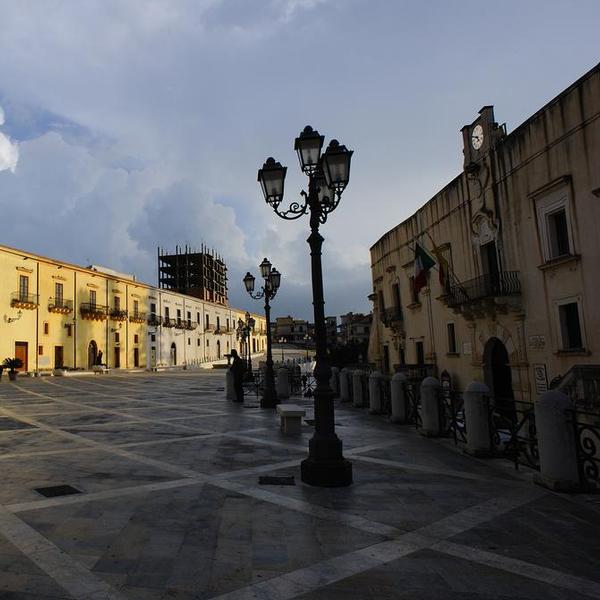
<point>60,306</point>
<point>154,320</point>
<point>210,327</point>
<point>93,312</point>
<point>190,325</point>
<point>485,295</point>
<point>180,324</point>
<point>391,315</point>
<point>116,314</point>
<point>166,322</point>
<point>26,301</point>
<point>137,317</point>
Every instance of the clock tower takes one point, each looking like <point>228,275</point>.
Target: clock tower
<point>479,137</point>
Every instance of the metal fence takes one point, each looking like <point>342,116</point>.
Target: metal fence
<point>586,426</point>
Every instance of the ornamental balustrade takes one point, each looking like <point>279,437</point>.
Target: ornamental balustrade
<point>60,306</point>
<point>154,320</point>
<point>93,311</point>
<point>391,315</point>
<point>167,322</point>
<point>117,314</point>
<point>25,301</point>
<point>503,283</point>
<point>137,317</point>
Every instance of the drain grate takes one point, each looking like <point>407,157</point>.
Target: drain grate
<point>57,490</point>
<point>273,480</point>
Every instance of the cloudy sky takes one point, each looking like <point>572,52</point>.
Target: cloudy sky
<point>127,124</point>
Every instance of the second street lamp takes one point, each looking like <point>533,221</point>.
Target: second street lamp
<point>328,175</point>
<point>272,281</point>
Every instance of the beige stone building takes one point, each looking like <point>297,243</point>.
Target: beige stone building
<point>518,228</point>
<point>57,315</point>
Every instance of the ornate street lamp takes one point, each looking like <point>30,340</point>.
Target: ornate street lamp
<point>243,333</point>
<point>328,175</point>
<point>268,291</point>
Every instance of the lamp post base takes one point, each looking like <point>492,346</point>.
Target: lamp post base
<point>326,473</point>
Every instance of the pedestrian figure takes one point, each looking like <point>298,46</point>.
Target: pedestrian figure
<point>238,368</point>
<point>99,358</point>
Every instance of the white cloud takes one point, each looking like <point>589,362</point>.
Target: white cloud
<point>9,151</point>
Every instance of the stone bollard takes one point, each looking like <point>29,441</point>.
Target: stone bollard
<point>376,382</point>
<point>477,419</point>
<point>283,384</point>
<point>358,391</point>
<point>345,375</point>
<point>556,443</point>
<point>430,410</point>
<point>399,398</point>
<point>334,382</point>
<point>229,387</point>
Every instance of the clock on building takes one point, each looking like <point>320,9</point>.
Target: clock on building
<point>477,137</point>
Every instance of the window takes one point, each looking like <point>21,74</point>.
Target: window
<point>380,302</point>
<point>136,339</point>
<point>117,303</point>
<point>117,337</point>
<point>396,295</point>
<point>207,321</point>
<point>69,329</point>
<point>136,308</point>
<point>414,295</point>
<point>207,343</point>
<point>420,355</point>
<point>167,312</point>
<point>570,326</point>
<point>451,338</point>
<point>227,324</point>
<point>58,294</point>
<point>92,298</point>
<point>189,341</point>
<point>153,308</point>
<point>23,287</point>
<point>178,316</point>
<point>189,319</point>
<point>198,340</point>
<point>41,350</point>
<point>153,337</point>
<point>554,223</point>
<point>46,328</point>
<point>218,323</point>
<point>198,318</point>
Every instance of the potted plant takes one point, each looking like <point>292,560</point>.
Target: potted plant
<point>12,364</point>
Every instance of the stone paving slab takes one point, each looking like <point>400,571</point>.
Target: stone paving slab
<point>172,508</point>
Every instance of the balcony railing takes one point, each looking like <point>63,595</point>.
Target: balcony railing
<point>60,305</point>
<point>180,324</point>
<point>190,325</point>
<point>210,327</point>
<point>137,317</point>
<point>27,301</point>
<point>504,283</point>
<point>154,320</point>
<point>92,311</point>
<point>116,314</point>
<point>169,322</point>
<point>391,315</point>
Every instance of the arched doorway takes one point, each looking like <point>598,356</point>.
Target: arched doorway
<point>173,354</point>
<point>92,354</point>
<point>498,376</point>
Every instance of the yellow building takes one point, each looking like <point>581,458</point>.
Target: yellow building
<point>57,315</point>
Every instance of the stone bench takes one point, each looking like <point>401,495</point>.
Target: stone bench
<point>291,417</point>
<point>100,369</point>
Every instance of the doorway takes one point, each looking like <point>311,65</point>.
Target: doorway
<point>117,357</point>
<point>136,357</point>
<point>92,354</point>
<point>21,352</point>
<point>173,354</point>
<point>498,376</point>
<point>218,349</point>
<point>420,352</point>
<point>489,265</point>
<point>58,357</point>
<point>153,356</point>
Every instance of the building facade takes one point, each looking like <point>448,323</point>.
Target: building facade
<point>355,328</point>
<point>514,236</point>
<point>292,330</point>
<point>58,315</point>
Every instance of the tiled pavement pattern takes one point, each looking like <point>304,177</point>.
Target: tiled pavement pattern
<point>171,507</point>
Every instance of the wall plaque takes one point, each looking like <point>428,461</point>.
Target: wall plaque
<point>466,349</point>
<point>537,342</point>
<point>541,378</point>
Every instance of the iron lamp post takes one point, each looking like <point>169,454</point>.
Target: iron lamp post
<point>282,341</point>
<point>272,281</point>
<point>243,333</point>
<point>328,175</point>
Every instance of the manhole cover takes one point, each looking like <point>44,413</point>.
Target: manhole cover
<point>272,480</point>
<point>57,490</point>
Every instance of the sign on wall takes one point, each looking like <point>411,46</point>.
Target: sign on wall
<point>537,342</point>
<point>541,378</point>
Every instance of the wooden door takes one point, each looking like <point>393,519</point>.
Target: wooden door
<point>136,357</point>
<point>58,357</point>
<point>21,352</point>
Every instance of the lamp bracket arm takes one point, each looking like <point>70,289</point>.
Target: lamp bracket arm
<point>295,210</point>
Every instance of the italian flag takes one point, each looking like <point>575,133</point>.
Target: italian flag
<point>423,262</point>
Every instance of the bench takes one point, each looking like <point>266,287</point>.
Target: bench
<point>100,369</point>
<point>291,417</point>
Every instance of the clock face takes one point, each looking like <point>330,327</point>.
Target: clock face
<point>477,137</point>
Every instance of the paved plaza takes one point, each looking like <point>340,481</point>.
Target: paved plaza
<point>171,506</point>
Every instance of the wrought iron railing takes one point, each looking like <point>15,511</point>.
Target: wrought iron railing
<point>391,315</point>
<point>582,385</point>
<point>190,325</point>
<point>452,416</point>
<point>137,317</point>
<point>93,311</point>
<point>167,322</point>
<point>60,305</point>
<point>412,396</point>
<point>210,327</point>
<point>416,372</point>
<point>513,432</point>
<point>503,283</point>
<point>24,300</point>
<point>154,320</point>
<point>180,324</point>
<point>586,427</point>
